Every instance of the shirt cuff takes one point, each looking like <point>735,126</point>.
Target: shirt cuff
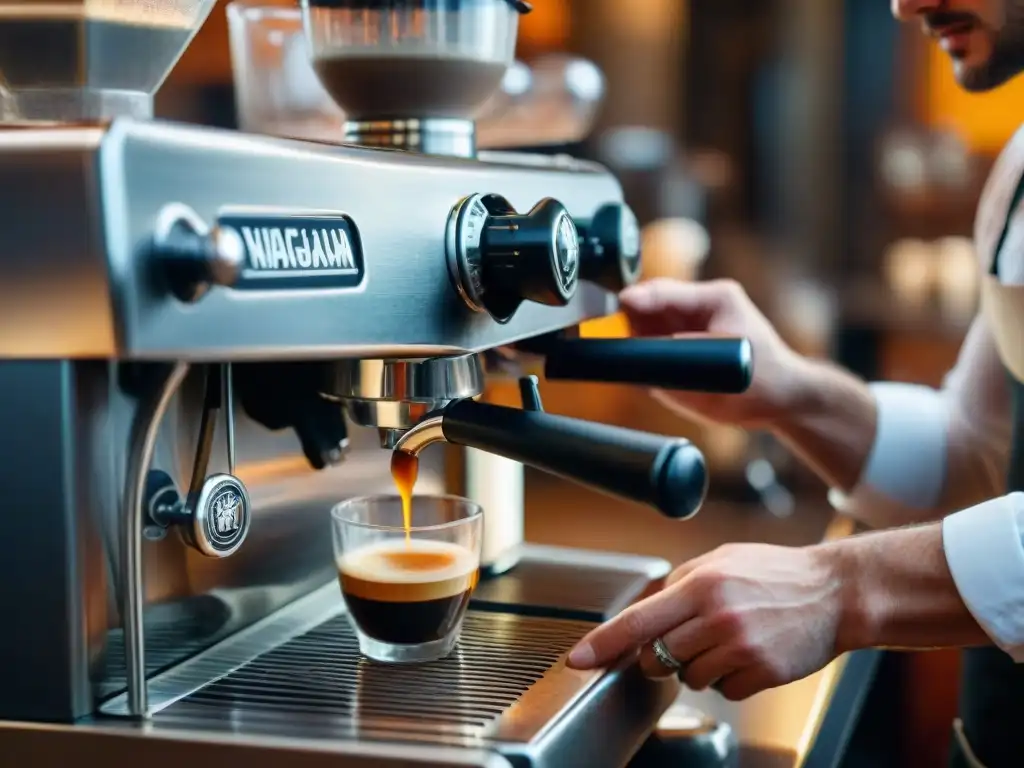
<point>985,553</point>
<point>906,469</point>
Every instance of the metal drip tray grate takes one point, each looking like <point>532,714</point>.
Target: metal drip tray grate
<point>174,632</point>
<point>318,682</point>
<point>298,674</point>
<point>322,672</point>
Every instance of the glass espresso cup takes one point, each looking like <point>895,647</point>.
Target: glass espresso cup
<point>407,592</point>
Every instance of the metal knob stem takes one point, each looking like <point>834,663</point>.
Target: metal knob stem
<point>191,257</point>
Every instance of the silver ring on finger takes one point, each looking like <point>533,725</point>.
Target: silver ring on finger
<point>665,657</point>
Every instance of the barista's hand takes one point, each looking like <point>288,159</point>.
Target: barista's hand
<point>743,618</point>
<point>666,307</point>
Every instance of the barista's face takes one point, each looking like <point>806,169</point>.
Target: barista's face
<point>984,38</point>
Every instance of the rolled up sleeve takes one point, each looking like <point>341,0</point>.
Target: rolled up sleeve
<point>985,552</point>
<point>906,470</point>
<point>936,450</point>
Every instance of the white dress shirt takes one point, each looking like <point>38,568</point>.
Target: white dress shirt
<point>938,451</point>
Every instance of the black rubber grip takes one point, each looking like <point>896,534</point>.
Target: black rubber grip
<point>667,473</point>
<point>695,364</point>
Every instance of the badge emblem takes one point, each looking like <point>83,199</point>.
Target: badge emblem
<point>222,515</point>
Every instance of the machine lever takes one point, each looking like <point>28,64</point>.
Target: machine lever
<point>699,363</point>
<point>214,518</point>
<point>529,391</point>
<point>212,399</point>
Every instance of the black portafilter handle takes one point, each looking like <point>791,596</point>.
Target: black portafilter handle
<point>667,473</point>
<point>713,364</point>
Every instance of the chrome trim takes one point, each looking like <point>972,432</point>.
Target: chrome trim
<point>386,415</point>
<point>123,742</point>
<point>407,381</point>
<point>394,395</point>
<point>431,136</point>
<point>145,427</point>
<point>427,432</point>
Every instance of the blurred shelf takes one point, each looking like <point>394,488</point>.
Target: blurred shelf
<point>866,303</point>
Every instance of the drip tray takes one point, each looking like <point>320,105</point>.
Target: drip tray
<point>505,689</point>
<point>321,677</point>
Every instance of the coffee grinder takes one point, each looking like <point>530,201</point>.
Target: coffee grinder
<point>200,325</point>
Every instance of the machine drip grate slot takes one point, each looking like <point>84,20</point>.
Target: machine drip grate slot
<point>321,675</point>
<point>559,590</point>
<point>174,633</point>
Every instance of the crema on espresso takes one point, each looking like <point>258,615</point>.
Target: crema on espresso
<point>408,592</point>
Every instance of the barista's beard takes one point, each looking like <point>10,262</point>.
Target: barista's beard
<point>1007,59</point>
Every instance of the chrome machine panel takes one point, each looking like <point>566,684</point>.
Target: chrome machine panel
<point>84,283</point>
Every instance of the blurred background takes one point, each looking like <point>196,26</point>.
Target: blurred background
<point>815,150</point>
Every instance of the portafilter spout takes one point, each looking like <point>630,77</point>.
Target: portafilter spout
<point>667,473</point>
<point>394,395</point>
<point>90,60</point>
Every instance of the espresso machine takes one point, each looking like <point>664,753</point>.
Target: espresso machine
<point>209,338</point>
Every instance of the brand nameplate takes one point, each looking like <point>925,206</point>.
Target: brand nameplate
<point>300,251</point>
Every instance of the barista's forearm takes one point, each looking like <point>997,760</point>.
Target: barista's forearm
<point>899,592</point>
<point>829,423</point>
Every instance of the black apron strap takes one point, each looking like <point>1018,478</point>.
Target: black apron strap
<point>991,702</point>
<point>991,684</point>
<point>1015,473</point>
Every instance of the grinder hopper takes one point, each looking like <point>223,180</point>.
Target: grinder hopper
<point>412,74</point>
<point>90,60</point>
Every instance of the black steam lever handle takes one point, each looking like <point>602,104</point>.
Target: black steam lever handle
<point>699,363</point>
<point>664,472</point>
<point>667,473</point>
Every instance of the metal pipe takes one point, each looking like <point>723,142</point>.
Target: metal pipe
<point>228,406</point>
<point>427,432</point>
<point>145,427</point>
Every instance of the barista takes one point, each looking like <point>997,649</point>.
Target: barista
<point>748,617</point>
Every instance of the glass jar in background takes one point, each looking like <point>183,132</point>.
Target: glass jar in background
<point>414,59</point>
<point>550,103</point>
<point>278,93</point>
<point>276,90</point>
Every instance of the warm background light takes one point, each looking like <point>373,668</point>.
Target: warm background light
<point>547,27</point>
<point>984,120</point>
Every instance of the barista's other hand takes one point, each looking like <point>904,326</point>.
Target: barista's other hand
<point>666,307</point>
<point>743,618</point>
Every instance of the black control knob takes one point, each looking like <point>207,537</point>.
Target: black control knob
<point>192,257</point>
<point>499,258</point>
<point>610,248</point>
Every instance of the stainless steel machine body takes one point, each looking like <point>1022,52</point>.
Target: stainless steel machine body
<point>92,334</point>
<point>189,314</point>
<point>97,195</point>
